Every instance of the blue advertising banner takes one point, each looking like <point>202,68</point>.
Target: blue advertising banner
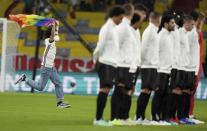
<point>82,83</point>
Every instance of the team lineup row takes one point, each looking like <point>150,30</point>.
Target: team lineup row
<point>167,57</point>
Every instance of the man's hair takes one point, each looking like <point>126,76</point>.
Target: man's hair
<point>128,9</point>
<point>154,15</point>
<point>116,11</point>
<point>136,18</point>
<point>195,15</point>
<point>188,18</point>
<point>48,32</point>
<point>166,17</point>
<point>141,7</point>
<point>179,16</point>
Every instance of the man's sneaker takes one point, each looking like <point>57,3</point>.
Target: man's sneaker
<point>173,121</point>
<point>191,121</point>
<point>156,123</point>
<point>117,122</point>
<point>101,123</point>
<point>177,120</point>
<point>138,121</point>
<point>129,122</point>
<point>20,79</point>
<point>186,121</point>
<point>196,121</point>
<point>143,122</point>
<point>165,123</point>
<point>146,122</point>
<point>62,104</point>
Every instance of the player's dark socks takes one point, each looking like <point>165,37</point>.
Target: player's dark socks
<point>142,102</point>
<point>101,103</point>
<point>180,103</point>
<point>183,105</point>
<point>126,107</point>
<point>186,104</point>
<point>174,105</point>
<point>116,99</point>
<point>167,105</point>
<point>114,104</point>
<point>156,105</point>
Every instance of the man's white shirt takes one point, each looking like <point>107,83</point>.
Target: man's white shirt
<point>150,47</point>
<point>128,45</point>
<point>107,47</point>
<point>183,60</point>
<point>194,53</point>
<point>49,54</point>
<point>165,41</point>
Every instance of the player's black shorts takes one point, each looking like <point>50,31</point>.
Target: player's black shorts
<point>175,79</point>
<point>182,79</point>
<point>148,76</point>
<point>124,77</point>
<point>190,80</point>
<point>106,75</point>
<point>162,82</point>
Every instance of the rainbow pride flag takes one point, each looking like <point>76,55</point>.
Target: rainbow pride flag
<point>32,20</point>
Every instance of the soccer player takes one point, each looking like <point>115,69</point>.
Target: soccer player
<point>149,61</point>
<point>199,26</point>
<point>48,71</point>
<point>191,69</point>
<point>125,106</point>
<point>179,72</point>
<point>175,88</point>
<point>141,11</point>
<point>165,62</point>
<point>105,57</point>
<point>126,55</point>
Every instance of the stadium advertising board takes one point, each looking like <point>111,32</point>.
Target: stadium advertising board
<point>82,83</point>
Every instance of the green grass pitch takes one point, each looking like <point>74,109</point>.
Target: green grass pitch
<point>38,112</point>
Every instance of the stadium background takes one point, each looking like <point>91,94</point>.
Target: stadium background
<point>74,60</point>
<point>24,111</point>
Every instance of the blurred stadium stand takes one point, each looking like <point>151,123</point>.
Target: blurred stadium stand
<point>87,23</point>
